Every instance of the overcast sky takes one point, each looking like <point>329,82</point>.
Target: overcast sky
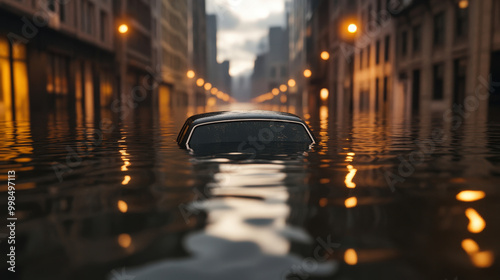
<point>242,29</point>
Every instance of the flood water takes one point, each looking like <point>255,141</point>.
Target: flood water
<point>374,199</point>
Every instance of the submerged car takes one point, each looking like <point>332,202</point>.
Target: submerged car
<point>245,133</point>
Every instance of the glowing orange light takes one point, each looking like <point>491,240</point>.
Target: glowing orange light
<point>463,4</point>
<point>324,94</point>
<point>307,73</point>
<point>323,202</point>
<point>124,240</point>
<point>470,195</point>
<point>352,28</point>
<point>283,88</point>
<point>476,222</point>
<point>126,180</point>
<point>350,257</point>
<point>200,82</point>
<point>325,55</point>
<point>283,99</point>
<point>122,206</point>
<point>208,86</point>
<point>291,83</point>
<point>123,28</point>
<point>276,91</point>
<point>190,74</point>
<point>214,91</point>
<point>351,202</point>
<point>348,178</point>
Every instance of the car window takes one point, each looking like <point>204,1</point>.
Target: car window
<point>241,131</point>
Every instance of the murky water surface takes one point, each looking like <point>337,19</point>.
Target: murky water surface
<point>374,199</point>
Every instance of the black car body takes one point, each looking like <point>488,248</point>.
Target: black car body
<point>245,132</point>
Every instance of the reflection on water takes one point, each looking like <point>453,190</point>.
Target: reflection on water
<point>374,199</point>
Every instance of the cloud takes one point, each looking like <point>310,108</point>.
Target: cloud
<point>242,29</point>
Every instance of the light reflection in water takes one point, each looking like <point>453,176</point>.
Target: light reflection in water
<point>351,202</point>
<point>124,240</point>
<point>348,178</point>
<point>481,259</point>
<point>469,196</point>
<point>126,180</point>
<point>476,222</point>
<point>351,257</point>
<point>122,206</point>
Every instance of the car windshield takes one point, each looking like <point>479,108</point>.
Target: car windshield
<point>264,132</point>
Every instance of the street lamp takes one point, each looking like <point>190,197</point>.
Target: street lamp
<point>463,4</point>
<point>208,86</point>
<point>325,55</point>
<point>275,91</point>
<point>324,94</point>
<point>190,74</point>
<point>352,28</point>
<point>283,88</point>
<point>123,28</point>
<point>307,73</point>
<point>291,83</point>
<point>200,82</point>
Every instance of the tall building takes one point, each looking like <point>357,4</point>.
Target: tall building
<point>217,73</point>
<point>56,55</point>
<point>297,31</point>
<point>198,47</point>
<point>173,29</point>
<point>259,76</point>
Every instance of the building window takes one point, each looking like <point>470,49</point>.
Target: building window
<point>461,22</point>
<point>368,51</point>
<point>90,20</point>
<point>439,29</point>
<point>283,72</point>
<point>377,52</point>
<point>404,43</point>
<point>386,88</point>
<point>417,38</point>
<point>460,75</point>
<point>387,48</point>
<point>273,72</point>
<point>438,81</point>
<point>62,11</point>
<point>104,26</point>
<point>360,59</point>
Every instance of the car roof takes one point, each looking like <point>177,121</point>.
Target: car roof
<point>234,115</point>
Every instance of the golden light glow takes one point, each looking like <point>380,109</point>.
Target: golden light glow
<point>351,202</point>
<point>470,195</point>
<point>283,88</point>
<point>323,202</point>
<point>276,91</point>
<point>348,178</point>
<point>470,246</point>
<point>479,259</point>
<point>122,206</point>
<point>126,180</point>
<point>200,82</point>
<point>350,257</point>
<point>307,73</point>
<point>211,101</point>
<point>482,259</point>
<point>214,91</point>
<point>190,74</point>
<point>352,28</point>
<point>283,98</point>
<point>463,4</point>
<point>208,86</point>
<point>325,55</point>
<point>124,240</point>
<point>324,94</point>
<point>291,83</point>
<point>476,222</point>
<point>123,28</point>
